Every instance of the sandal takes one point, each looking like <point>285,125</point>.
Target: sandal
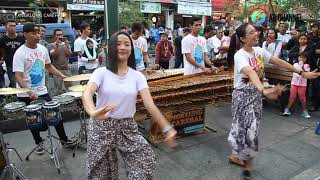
<point>246,174</point>
<point>236,161</point>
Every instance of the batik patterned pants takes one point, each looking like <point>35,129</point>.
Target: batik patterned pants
<point>105,138</point>
<point>246,117</point>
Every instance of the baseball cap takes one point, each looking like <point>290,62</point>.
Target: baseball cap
<point>186,29</point>
<point>162,32</point>
<point>30,27</point>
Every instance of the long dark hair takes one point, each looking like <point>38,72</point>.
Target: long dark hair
<point>235,43</point>
<point>112,61</point>
<point>275,32</point>
<point>241,31</point>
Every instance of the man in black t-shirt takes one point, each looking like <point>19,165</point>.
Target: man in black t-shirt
<point>9,43</point>
<point>177,45</point>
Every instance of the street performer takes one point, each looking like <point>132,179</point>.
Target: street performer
<point>112,127</point>
<point>247,96</point>
<point>194,50</point>
<point>29,64</point>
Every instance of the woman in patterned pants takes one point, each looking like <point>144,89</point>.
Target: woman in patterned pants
<point>111,127</point>
<point>247,96</point>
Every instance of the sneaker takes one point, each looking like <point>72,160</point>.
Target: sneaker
<point>305,114</point>
<point>68,143</point>
<point>286,112</point>
<point>39,150</point>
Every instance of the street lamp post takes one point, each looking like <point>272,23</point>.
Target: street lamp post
<point>36,11</point>
<point>111,18</point>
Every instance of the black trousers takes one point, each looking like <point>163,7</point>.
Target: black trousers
<point>178,62</point>
<point>36,132</point>
<point>164,65</point>
<point>284,98</point>
<point>315,92</point>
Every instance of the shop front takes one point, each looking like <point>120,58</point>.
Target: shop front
<point>90,11</point>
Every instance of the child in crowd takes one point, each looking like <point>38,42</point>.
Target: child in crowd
<point>299,86</point>
<point>90,56</point>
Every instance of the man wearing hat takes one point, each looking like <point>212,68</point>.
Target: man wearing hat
<point>164,51</point>
<point>29,64</point>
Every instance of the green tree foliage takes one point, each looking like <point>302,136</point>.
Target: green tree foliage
<point>280,6</point>
<point>129,12</point>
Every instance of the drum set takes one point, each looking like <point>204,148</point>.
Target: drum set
<point>41,113</point>
<point>9,168</point>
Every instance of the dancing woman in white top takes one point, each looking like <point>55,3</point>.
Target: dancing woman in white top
<point>111,127</point>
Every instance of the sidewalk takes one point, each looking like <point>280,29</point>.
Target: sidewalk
<point>289,149</point>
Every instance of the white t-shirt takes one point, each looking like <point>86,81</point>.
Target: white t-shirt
<point>32,63</point>
<point>272,49</point>
<point>216,43</point>
<point>284,38</point>
<point>210,46</point>
<point>140,46</point>
<point>79,44</point>
<point>242,59</point>
<point>197,46</point>
<point>120,91</point>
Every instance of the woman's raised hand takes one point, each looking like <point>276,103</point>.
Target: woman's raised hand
<point>101,113</point>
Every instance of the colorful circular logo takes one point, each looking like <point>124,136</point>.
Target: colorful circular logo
<point>258,17</point>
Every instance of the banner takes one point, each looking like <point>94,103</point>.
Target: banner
<point>146,7</point>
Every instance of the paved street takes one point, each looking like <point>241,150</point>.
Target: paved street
<point>289,149</point>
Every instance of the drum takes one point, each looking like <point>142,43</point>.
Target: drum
<point>38,101</point>
<point>75,94</point>
<point>52,113</point>
<point>67,102</point>
<point>34,116</point>
<point>14,110</point>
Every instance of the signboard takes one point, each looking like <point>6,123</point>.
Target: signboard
<point>185,122</point>
<point>85,7</point>
<point>188,121</point>
<point>194,8</point>
<point>99,2</point>
<point>147,7</point>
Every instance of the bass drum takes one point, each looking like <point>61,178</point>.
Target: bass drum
<point>2,159</point>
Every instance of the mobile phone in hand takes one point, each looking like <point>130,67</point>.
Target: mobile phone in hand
<point>62,39</point>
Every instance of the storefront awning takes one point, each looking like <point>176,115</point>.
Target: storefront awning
<point>85,7</point>
<point>199,7</point>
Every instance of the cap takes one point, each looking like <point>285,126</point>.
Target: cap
<point>186,29</point>
<point>30,27</point>
<point>163,32</point>
<point>302,29</point>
